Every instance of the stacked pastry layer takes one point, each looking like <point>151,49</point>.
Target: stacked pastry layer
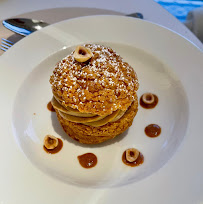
<point>94,100</point>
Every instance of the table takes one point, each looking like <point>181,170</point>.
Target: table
<point>63,9</point>
<point>151,10</point>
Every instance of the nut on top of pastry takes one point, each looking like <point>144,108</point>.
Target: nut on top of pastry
<point>82,54</point>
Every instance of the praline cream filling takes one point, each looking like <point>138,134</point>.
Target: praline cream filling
<point>89,119</point>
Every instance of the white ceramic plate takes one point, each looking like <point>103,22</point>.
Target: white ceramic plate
<point>166,64</point>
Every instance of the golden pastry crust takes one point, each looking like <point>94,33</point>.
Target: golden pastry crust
<point>103,84</point>
<point>94,135</point>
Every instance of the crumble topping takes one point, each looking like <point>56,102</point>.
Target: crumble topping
<point>100,85</point>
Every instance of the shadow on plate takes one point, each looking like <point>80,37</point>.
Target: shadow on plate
<point>15,38</point>
<point>59,130</point>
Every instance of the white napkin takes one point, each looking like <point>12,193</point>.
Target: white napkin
<point>194,22</point>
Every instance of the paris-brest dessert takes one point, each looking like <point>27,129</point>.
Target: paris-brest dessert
<point>94,94</point>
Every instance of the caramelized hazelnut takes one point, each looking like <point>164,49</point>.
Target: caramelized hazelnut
<point>132,154</point>
<point>148,98</point>
<point>50,142</point>
<point>82,54</point>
